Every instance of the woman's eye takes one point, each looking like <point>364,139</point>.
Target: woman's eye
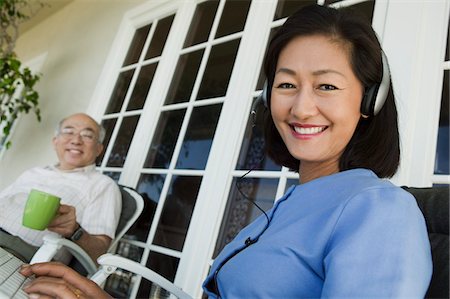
<point>286,85</point>
<point>327,87</point>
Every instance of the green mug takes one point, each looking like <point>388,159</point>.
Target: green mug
<point>40,209</point>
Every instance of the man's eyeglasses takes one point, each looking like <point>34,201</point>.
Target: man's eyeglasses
<point>86,135</point>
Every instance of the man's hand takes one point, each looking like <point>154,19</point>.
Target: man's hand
<point>65,223</point>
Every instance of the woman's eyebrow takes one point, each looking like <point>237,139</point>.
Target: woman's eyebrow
<point>285,70</point>
<point>327,71</point>
<point>315,73</point>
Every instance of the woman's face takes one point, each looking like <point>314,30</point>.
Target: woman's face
<point>315,101</point>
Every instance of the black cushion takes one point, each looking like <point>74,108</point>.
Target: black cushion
<point>128,208</point>
<point>434,204</point>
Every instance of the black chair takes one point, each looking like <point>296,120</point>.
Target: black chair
<point>434,203</point>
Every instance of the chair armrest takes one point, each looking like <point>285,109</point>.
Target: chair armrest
<point>47,251</point>
<point>109,263</point>
<point>51,246</point>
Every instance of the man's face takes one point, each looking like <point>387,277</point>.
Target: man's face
<point>77,143</point>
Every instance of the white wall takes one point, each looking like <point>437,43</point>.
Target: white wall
<point>77,40</point>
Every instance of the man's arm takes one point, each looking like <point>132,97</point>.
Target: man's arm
<point>66,225</point>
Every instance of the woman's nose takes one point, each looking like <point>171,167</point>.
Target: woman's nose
<point>304,105</point>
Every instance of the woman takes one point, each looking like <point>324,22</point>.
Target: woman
<point>343,231</point>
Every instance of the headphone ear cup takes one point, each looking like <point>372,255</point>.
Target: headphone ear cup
<point>368,101</point>
<point>375,96</point>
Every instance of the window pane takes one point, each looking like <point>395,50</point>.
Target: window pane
<point>136,45</point>
<point>287,7</point>
<point>199,136</point>
<point>176,215</point>
<point>163,265</point>
<point>109,125</point>
<point>241,210</point>
<point>441,165</point>
<point>365,9</point>
<point>149,186</point>
<point>447,55</point>
<point>218,70</point>
<point>201,23</point>
<point>164,140</point>
<point>159,37</point>
<point>184,78</point>
<point>233,17</point>
<point>119,92</point>
<point>290,183</point>
<point>120,282</point>
<point>114,175</point>
<point>123,141</point>
<point>142,86</point>
<point>253,155</point>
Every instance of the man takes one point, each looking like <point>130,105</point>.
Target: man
<point>90,201</point>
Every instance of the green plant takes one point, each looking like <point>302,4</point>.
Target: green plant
<point>17,83</point>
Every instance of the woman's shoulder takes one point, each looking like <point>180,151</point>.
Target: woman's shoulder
<point>364,185</point>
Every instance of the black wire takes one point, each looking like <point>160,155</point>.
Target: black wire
<point>238,187</point>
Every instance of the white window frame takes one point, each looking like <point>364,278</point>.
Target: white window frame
<point>415,40</point>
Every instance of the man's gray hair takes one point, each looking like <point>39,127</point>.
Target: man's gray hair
<point>101,129</point>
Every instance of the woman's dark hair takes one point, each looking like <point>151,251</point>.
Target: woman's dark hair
<point>375,142</point>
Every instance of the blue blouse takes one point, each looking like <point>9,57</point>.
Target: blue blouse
<point>349,234</point>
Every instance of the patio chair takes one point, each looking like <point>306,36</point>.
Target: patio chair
<point>132,206</point>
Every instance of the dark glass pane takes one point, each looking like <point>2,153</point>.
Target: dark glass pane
<point>162,264</point>
<point>218,70</point>
<point>113,175</point>
<point>123,141</point>
<point>136,45</point>
<point>253,155</point>
<point>447,55</point>
<point>286,8</point>
<point>262,75</point>
<point>176,214</point>
<point>365,9</point>
<point>164,140</point>
<point>119,284</point>
<point>119,92</point>
<point>149,186</point>
<point>241,209</point>
<point>290,183</point>
<point>201,23</point>
<point>184,78</point>
<point>159,37</point>
<point>441,165</point>
<point>199,136</point>
<point>233,17</point>
<point>128,250</point>
<point>142,86</point>
<point>109,125</point>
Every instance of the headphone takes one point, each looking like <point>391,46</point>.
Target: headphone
<point>372,101</point>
